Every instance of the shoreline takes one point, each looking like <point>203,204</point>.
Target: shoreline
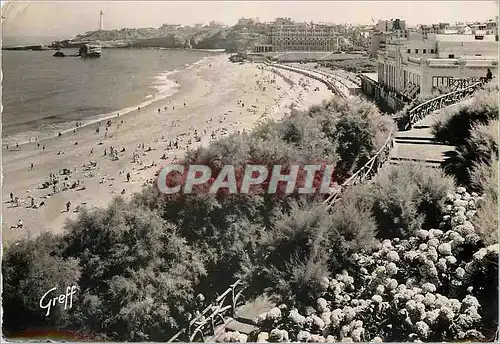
<point>212,96</point>
<point>100,118</point>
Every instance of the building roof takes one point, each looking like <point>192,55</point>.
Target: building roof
<point>464,38</point>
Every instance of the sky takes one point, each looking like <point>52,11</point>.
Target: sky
<point>66,19</point>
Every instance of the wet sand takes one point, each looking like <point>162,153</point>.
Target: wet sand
<point>213,93</point>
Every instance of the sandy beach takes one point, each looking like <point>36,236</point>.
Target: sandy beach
<point>216,98</point>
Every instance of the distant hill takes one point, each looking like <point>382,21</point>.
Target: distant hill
<point>231,39</point>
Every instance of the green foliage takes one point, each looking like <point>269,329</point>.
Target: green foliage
<point>292,255</point>
<point>30,268</point>
<point>138,275</point>
<point>480,147</point>
<point>485,179</point>
<point>362,65</point>
<point>407,197</point>
<point>457,129</point>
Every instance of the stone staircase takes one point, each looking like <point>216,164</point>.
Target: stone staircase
<point>419,144</point>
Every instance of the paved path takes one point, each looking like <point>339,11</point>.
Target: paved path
<point>419,144</point>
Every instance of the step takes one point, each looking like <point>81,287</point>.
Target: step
<point>428,152</point>
<point>418,141</point>
<point>426,163</point>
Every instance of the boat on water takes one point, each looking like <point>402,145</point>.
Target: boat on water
<point>90,51</point>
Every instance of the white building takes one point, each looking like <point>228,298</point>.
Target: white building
<point>288,36</point>
<point>419,65</point>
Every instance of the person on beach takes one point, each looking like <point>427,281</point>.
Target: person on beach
<point>104,151</point>
<point>17,145</point>
<point>19,224</point>
<point>32,202</point>
<point>32,167</point>
<point>38,145</point>
<point>128,177</point>
<point>11,197</point>
<point>91,151</point>
<point>165,108</point>
<point>59,135</point>
<point>68,205</point>
<point>159,110</point>
<point>43,147</point>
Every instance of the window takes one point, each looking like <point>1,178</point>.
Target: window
<point>451,56</point>
<point>408,51</point>
<point>416,51</point>
<point>432,51</point>
<point>424,51</point>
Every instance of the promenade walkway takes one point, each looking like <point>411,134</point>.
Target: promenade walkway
<point>419,144</point>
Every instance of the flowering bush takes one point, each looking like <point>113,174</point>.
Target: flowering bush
<point>438,284</point>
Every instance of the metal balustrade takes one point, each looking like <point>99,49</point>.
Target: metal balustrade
<point>420,111</point>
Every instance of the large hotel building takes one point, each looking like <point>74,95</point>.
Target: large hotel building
<point>422,61</point>
<point>286,35</point>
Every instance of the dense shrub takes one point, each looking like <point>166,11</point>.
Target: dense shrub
<point>406,198</point>
<point>137,274</point>
<point>457,128</point>
<point>30,268</point>
<point>485,179</point>
<point>481,147</point>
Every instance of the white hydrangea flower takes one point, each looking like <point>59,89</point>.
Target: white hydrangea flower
<point>411,305</point>
<point>447,313</point>
<point>349,313</point>
<point>316,338</point>
<point>347,340</point>
<point>429,288</point>
<point>325,283</point>
<point>262,337</point>
<point>331,339</point>
<point>470,302</point>
<point>377,340</point>
<point>432,316</point>
<point>326,317</point>
<point>410,255</point>
<point>380,290</point>
<point>461,190</point>
<point>356,334</point>
<point>278,335</point>
<point>458,220</point>
<point>318,322</point>
<point>274,314</point>
<point>322,305</point>
<point>392,256</point>
<point>303,336</point>
<point>296,317</point>
<point>436,232</point>
<point>455,305</point>
<point>447,217</point>
<point>473,314</point>
<point>418,298</point>
<point>391,284</point>
<point>357,323</point>
<point>429,300</point>
<point>432,254</point>
<point>471,204</point>
<point>472,239</point>
<point>391,268</point>
<point>422,234</point>
<point>444,249</point>
<point>422,329</point>
<point>460,210</point>
<point>377,298</point>
<point>423,247</point>
<point>460,273</point>
<point>451,260</point>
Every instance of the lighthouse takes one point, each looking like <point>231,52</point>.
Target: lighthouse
<point>101,21</point>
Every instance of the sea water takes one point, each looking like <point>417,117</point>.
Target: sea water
<point>43,95</point>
